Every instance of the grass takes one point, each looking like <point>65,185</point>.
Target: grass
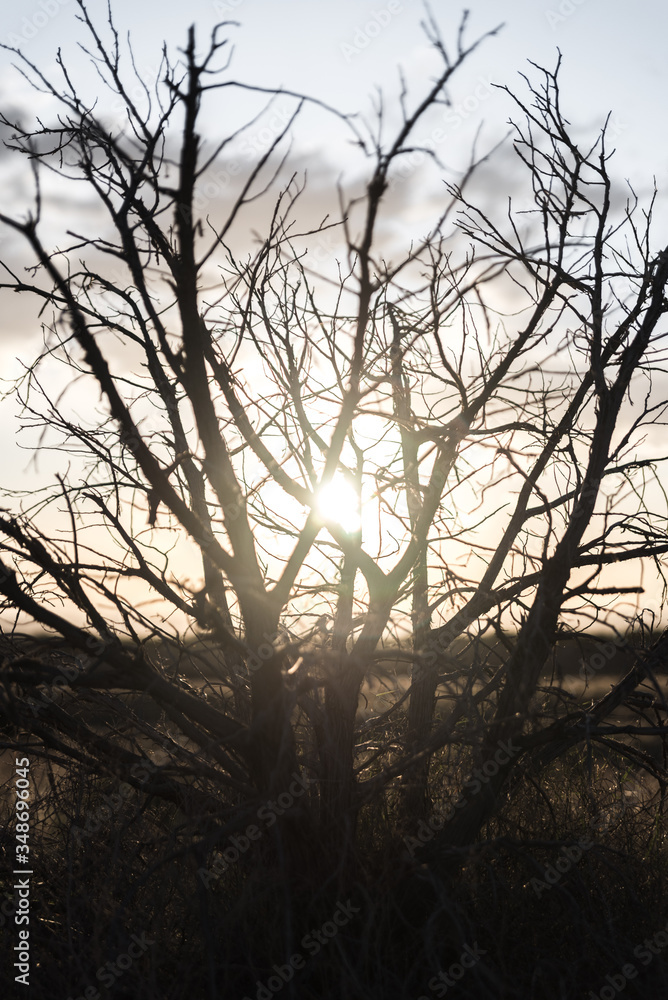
<point>119,907</point>
<point>131,876</point>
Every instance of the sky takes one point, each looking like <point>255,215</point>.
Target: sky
<point>613,51</point>
<point>613,61</point>
<point>342,52</point>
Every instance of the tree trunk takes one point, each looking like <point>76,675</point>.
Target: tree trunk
<point>338,811</point>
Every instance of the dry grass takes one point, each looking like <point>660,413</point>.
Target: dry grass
<point>135,874</point>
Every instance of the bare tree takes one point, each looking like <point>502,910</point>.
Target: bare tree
<point>475,396</point>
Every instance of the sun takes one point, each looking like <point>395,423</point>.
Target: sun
<point>338,502</point>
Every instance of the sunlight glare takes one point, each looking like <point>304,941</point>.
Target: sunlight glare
<point>338,502</point>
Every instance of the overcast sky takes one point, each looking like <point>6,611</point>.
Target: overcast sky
<point>613,61</point>
<point>614,51</point>
<point>340,52</point>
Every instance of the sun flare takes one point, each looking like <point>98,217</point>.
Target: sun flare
<point>339,502</point>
